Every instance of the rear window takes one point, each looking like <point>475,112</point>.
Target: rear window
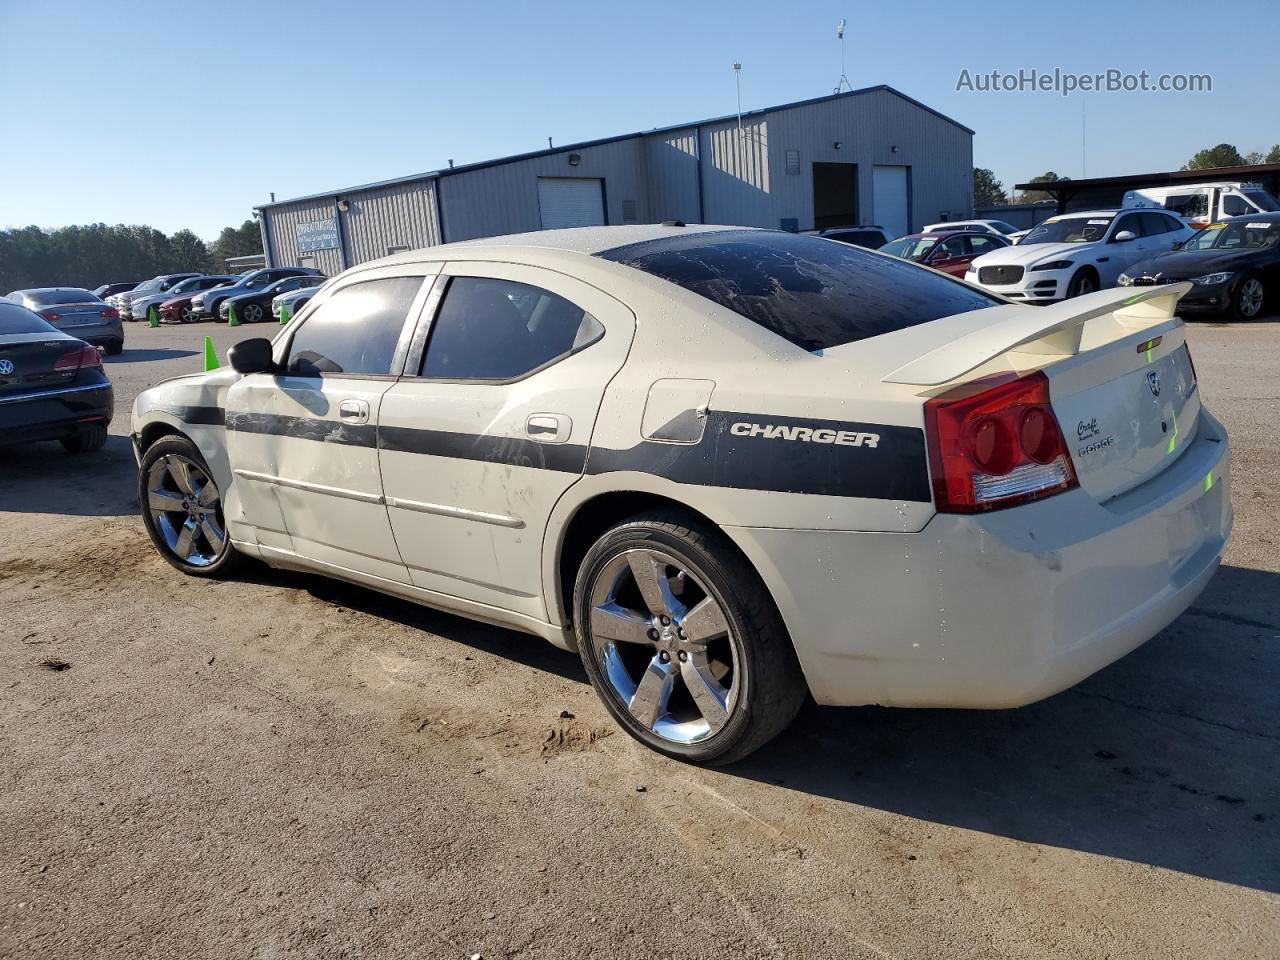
<point>810,292</point>
<point>15,320</point>
<point>50,298</point>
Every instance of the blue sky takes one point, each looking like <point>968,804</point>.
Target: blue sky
<point>183,114</point>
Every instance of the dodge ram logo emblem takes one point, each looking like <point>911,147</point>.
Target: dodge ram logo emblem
<point>1153,381</point>
<point>6,367</point>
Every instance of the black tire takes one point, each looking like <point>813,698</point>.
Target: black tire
<point>89,439</point>
<point>114,347</point>
<point>1084,281</point>
<point>770,687</point>
<point>223,562</point>
<point>1249,299</point>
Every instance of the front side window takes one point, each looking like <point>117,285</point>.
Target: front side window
<point>809,292</point>
<point>356,330</point>
<point>488,329</point>
<point>1234,206</point>
<point>950,248</point>
<point>978,245</point>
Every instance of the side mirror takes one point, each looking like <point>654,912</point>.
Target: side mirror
<point>1124,236</point>
<point>252,356</point>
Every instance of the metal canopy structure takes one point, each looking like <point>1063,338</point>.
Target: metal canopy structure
<point>1101,192</point>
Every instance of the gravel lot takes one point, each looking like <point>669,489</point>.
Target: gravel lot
<point>288,766</point>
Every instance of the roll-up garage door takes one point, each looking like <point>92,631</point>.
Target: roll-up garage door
<point>571,202</point>
<point>890,199</point>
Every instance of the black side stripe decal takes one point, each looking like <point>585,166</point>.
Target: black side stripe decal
<point>894,468</point>
<point>205,416</point>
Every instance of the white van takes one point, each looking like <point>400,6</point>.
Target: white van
<point>1203,203</point>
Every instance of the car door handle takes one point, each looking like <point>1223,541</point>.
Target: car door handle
<point>548,427</point>
<point>354,411</point>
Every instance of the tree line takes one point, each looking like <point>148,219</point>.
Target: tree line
<point>93,254</point>
<point>990,192</point>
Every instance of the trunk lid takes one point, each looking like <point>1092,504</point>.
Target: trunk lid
<point>1120,377</point>
<point>30,358</point>
<point>74,314</point>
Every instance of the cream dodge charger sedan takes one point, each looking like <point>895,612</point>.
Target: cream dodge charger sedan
<point>730,467</point>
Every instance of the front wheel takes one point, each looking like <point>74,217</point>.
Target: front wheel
<point>252,313</point>
<point>1085,281</point>
<point>182,509</point>
<point>682,641</point>
<point>1250,298</point>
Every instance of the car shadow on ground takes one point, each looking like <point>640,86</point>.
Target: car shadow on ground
<point>138,356</point>
<point>44,478</point>
<point>1169,757</point>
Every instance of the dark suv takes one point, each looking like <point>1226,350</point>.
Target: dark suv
<point>204,306</point>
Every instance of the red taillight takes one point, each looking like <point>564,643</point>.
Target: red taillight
<point>51,316</point>
<point>86,356</point>
<point>109,312</point>
<point>995,443</point>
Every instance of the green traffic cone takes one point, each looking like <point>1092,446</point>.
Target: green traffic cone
<point>232,319</point>
<point>284,314</point>
<point>153,316</point>
<point>210,355</point>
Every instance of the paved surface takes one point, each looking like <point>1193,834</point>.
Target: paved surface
<point>284,766</point>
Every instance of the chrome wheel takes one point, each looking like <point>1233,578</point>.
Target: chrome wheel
<point>186,315</point>
<point>252,313</point>
<point>186,509</point>
<point>664,645</point>
<point>1250,298</point>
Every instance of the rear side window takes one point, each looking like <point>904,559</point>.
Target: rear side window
<point>356,330</point>
<point>489,329</point>
<point>15,319</point>
<point>809,292</point>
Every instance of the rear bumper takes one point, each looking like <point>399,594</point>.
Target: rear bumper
<point>54,414</point>
<point>1004,609</point>
<point>96,333</point>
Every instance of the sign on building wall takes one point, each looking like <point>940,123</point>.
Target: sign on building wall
<point>317,235</point>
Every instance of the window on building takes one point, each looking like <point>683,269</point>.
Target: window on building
<point>489,329</point>
<point>356,330</point>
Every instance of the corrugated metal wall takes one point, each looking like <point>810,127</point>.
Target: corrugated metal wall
<point>673,176</point>
<point>744,179</point>
<point>504,198</point>
<point>735,173</point>
<point>400,215</point>
<point>281,231</point>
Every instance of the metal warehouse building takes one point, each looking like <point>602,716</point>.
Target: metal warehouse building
<point>866,156</point>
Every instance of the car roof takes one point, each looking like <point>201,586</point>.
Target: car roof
<point>579,240</point>
<point>51,290</point>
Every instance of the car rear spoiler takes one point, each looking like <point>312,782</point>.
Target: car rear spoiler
<point>1055,329</point>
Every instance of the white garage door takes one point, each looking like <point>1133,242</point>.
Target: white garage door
<point>890,199</point>
<point>570,202</point>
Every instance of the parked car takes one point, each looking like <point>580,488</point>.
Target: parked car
<point>124,301</point>
<point>1201,204</point>
<point>77,311</point>
<point>177,308</point>
<point>111,289</point>
<point>870,235</point>
<point>186,289</point>
<point>294,301</point>
<point>1076,253</point>
<point>995,227</point>
<point>847,456</point>
<point>1234,268</point>
<point>948,251</point>
<point>256,305</point>
<point>52,385</point>
<point>207,306</point>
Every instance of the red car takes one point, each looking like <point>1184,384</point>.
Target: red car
<point>949,251</point>
<point>178,309</point>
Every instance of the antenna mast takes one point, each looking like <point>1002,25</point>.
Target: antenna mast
<point>844,80</point>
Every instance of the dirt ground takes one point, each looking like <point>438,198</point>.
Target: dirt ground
<point>286,766</point>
